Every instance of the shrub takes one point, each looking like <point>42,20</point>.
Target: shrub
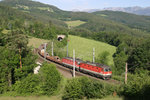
<point>73,90</point>
<point>84,87</point>
<point>45,83</point>
<point>137,88</point>
<point>50,78</point>
<point>30,85</point>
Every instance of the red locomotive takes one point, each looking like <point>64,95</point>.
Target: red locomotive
<point>96,69</point>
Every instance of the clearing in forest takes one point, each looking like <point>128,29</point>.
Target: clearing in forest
<point>84,48</point>
<point>74,23</point>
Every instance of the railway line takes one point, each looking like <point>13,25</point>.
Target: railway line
<point>66,72</point>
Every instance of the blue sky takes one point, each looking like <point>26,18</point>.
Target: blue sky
<point>94,4</point>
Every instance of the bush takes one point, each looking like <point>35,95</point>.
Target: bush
<point>50,78</point>
<point>137,88</point>
<point>30,85</point>
<point>45,83</point>
<point>103,58</point>
<point>78,88</point>
<point>73,90</point>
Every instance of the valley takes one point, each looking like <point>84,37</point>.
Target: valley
<point>121,41</point>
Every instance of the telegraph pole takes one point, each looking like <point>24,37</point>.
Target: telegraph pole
<point>67,48</point>
<point>93,55</point>
<point>126,72</point>
<point>52,49</point>
<point>45,51</point>
<point>73,63</point>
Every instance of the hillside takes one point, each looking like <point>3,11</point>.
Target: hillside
<point>42,12</point>
<point>36,42</point>
<point>75,23</point>
<point>47,13</point>
<point>131,20</point>
<point>84,48</point>
<point>9,16</point>
<point>15,20</point>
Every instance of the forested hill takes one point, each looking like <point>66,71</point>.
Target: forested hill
<point>42,12</point>
<point>132,20</point>
<point>93,23</point>
<point>15,20</point>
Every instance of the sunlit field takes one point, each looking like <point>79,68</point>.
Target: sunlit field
<point>74,23</point>
<point>84,48</point>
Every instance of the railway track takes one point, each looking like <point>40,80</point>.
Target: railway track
<point>66,72</point>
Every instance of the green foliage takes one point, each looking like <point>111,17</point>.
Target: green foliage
<point>140,56</point>
<point>45,83</point>
<point>131,20</point>
<point>50,78</point>
<point>42,12</point>
<point>79,88</point>
<point>16,40</point>
<point>103,58</point>
<point>8,61</point>
<point>93,23</point>
<point>29,85</point>
<point>2,42</point>
<point>120,62</point>
<point>137,88</point>
<point>47,31</point>
<point>81,32</point>
<point>73,90</point>
<point>26,24</point>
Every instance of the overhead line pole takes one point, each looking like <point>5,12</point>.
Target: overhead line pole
<point>45,51</point>
<point>67,48</point>
<point>93,55</point>
<point>73,63</point>
<point>52,48</point>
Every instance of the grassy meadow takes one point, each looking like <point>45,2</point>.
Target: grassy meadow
<point>74,23</point>
<point>84,48</point>
<point>36,42</point>
<point>52,98</point>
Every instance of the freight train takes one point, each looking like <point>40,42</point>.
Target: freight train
<point>94,69</point>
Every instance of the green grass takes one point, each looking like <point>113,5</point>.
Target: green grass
<point>22,6</point>
<point>52,98</point>
<point>45,8</point>
<point>31,98</point>
<point>111,98</point>
<point>25,11</point>
<point>102,15</point>
<point>6,31</point>
<point>36,42</point>
<point>74,23</point>
<point>84,48</point>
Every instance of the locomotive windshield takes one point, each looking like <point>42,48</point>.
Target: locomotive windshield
<point>107,69</point>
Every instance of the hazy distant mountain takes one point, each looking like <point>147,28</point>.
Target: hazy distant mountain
<point>135,10</point>
<point>86,10</point>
